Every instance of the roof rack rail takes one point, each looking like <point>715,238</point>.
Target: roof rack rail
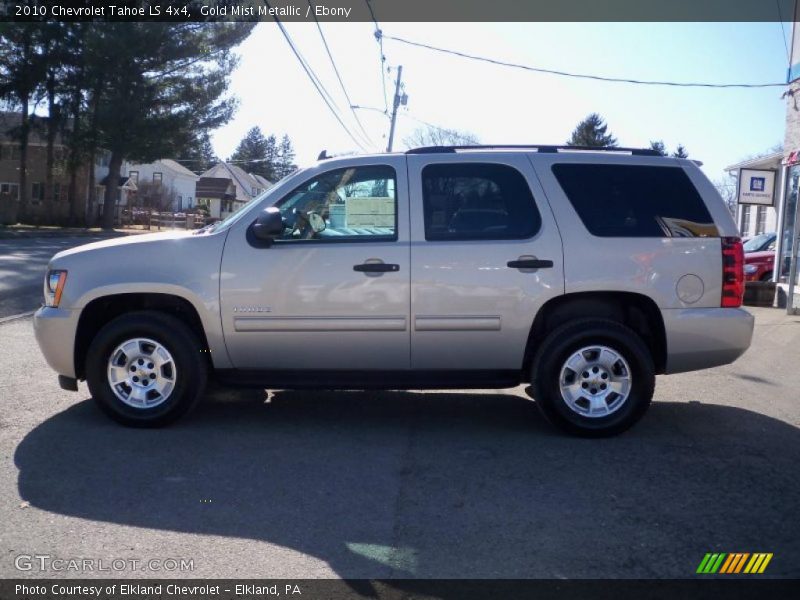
<point>539,148</point>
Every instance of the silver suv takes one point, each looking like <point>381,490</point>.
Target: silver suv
<point>585,273</point>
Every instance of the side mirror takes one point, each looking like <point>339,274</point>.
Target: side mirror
<point>268,225</point>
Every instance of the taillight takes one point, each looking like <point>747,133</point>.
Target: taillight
<point>732,272</point>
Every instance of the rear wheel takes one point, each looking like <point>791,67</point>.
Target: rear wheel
<point>146,369</point>
<point>593,377</point>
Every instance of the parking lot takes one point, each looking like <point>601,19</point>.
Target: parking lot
<point>403,484</point>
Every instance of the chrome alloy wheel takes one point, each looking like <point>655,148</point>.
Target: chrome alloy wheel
<point>595,381</point>
<point>142,373</point>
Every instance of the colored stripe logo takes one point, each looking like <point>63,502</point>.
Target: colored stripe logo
<point>734,563</point>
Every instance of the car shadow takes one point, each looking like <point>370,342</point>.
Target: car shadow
<point>448,485</point>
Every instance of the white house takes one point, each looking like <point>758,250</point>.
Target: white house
<point>755,219</point>
<point>248,185</point>
<point>177,181</point>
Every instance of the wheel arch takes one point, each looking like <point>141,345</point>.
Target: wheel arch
<point>101,310</point>
<point>637,311</point>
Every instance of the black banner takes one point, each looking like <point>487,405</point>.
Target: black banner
<point>401,10</point>
<point>393,589</point>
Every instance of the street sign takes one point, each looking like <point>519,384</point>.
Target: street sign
<point>757,186</point>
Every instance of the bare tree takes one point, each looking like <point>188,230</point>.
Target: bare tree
<point>155,196</point>
<point>438,136</point>
<point>727,189</point>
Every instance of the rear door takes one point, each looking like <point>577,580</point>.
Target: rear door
<point>485,255</point>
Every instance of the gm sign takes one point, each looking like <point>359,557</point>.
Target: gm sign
<point>757,186</point>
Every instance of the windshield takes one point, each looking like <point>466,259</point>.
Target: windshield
<point>240,212</point>
<point>755,244</point>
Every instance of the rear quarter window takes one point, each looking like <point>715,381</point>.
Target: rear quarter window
<point>635,201</point>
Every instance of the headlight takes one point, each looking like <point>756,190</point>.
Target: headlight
<point>750,269</point>
<point>53,287</point>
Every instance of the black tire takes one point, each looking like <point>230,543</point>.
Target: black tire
<point>178,339</point>
<point>567,339</point>
<point>766,276</point>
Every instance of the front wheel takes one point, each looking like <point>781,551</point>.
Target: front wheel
<point>593,377</point>
<point>146,369</point>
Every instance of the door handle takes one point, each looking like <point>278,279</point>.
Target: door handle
<point>530,263</point>
<point>376,267</point>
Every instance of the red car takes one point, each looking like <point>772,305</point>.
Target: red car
<point>759,257</point>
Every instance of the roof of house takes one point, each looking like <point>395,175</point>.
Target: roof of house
<point>124,181</point>
<point>214,187</point>
<point>168,163</point>
<point>245,182</point>
<point>11,121</point>
<point>761,162</point>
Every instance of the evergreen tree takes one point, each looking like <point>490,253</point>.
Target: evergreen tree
<point>272,158</point>
<point>166,82</point>
<point>251,153</point>
<point>659,147</point>
<point>199,155</point>
<point>680,152</point>
<point>286,156</point>
<point>592,132</point>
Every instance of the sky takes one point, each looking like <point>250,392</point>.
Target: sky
<point>508,106</point>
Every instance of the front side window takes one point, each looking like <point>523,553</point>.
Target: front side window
<point>350,204</point>
<point>476,201</point>
<point>635,200</point>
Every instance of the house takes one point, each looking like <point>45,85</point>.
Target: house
<point>164,184</point>
<point>753,219</point>
<point>10,152</point>
<point>247,185</point>
<point>217,195</point>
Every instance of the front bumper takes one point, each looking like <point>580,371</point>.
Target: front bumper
<point>700,338</point>
<point>55,333</point>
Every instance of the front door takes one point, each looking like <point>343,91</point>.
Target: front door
<point>333,291</point>
<point>486,255</point>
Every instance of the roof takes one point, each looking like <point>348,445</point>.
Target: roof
<point>177,167</point>
<point>262,180</point>
<point>124,181</point>
<point>243,180</point>
<point>767,161</point>
<point>11,121</point>
<point>167,163</point>
<point>214,187</point>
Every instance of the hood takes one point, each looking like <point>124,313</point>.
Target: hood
<point>764,256</point>
<point>125,240</point>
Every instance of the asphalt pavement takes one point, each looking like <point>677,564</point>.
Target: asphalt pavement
<point>23,261</point>
<point>405,484</point>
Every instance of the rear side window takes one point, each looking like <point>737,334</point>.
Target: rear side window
<point>635,201</point>
<point>477,201</point>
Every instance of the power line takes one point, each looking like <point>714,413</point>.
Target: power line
<point>783,33</point>
<point>317,84</point>
<point>379,37</point>
<point>581,75</point>
<point>338,75</point>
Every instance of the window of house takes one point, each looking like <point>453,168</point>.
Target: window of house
<point>180,202</point>
<point>5,152</point>
<point>761,219</point>
<point>635,200</point>
<point>351,204</point>
<point>37,192</point>
<point>57,192</point>
<point>254,191</point>
<point>745,220</point>
<point>477,201</point>
<point>157,177</point>
<point>134,176</point>
<point>16,152</point>
<point>189,202</point>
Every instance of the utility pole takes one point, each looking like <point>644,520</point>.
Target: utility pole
<point>397,100</point>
